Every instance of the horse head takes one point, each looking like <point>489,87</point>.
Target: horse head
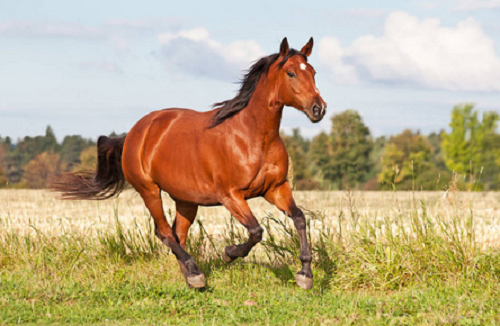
<point>295,81</point>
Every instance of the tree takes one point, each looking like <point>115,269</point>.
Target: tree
<point>406,160</point>
<point>115,135</point>
<point>49,142</point>
<point>29,147</point>
<point>472,145</point>
<point>294,147</point>
<point>88,159</point>
<point>490,160</point>
<point>12,166</point>
<point>16,157</point>
<point>38,170</point>
<point>7,142</point>
<point>351,146</point>
<point>2,151</point>
<point>3,177</point>
<point>437,154</point>
<point>298,149</point>
<point>71,148</point>
<point>320,154</point>
<point>376,163</point>
<point>461,145</point>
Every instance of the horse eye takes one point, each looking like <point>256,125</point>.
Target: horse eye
<point>291,74</point>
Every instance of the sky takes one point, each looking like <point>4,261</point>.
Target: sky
<point>93,67</point>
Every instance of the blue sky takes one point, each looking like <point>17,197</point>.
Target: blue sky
<point>92,67</point>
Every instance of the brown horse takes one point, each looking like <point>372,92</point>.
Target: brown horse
<point>220,157</point>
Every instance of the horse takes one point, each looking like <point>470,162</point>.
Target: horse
<point>224,156</point>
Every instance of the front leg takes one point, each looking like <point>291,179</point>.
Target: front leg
<point>281,196</point>
<point>238,207</point>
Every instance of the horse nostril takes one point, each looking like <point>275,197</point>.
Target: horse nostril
<point>316,110</point>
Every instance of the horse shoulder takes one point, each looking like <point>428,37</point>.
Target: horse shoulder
<point>277,154</point>
<point>276,163</point>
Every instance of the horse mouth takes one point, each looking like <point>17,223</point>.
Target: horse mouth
<point>316,113</point>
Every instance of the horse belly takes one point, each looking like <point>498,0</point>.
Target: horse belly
<point>181,174</point>
<point>186,182</point>
<point>198,193</point>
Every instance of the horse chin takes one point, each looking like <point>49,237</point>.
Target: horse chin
<point>313,118</point>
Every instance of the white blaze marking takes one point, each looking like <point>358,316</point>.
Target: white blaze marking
<point>303,66</point>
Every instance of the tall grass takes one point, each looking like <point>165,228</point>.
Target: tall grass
<point>130,243</point>
<point>353,252</point>
<point>124,269</point>
<point>408,251</point>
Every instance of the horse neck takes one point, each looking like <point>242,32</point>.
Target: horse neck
<point>263,113</point>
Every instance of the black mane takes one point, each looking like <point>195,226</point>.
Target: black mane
<point>229,108</point>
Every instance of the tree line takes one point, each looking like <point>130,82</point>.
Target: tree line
<point>347,156</point>
<point>31,161</point>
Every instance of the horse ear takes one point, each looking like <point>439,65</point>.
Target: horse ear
<point>307,49</point>
<point>284,47</point>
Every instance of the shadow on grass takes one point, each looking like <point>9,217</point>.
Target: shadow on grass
<point>282,272</point>
<point>209,265</point>
<point>325,263</point>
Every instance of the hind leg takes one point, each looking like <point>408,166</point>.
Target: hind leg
<point>152,199</point>
<point>184,217</point>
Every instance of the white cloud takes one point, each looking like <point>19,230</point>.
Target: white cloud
<point>476,5</point>
<point>190,50</point>
<point>419,52</point>
<point>242,53</point>
<point>196,52</point>
<point>331,54</point>
<point>196,35</point>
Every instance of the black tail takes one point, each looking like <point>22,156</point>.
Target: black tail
<point>107,181</point>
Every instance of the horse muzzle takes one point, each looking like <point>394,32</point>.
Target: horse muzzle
<point>316,112</point>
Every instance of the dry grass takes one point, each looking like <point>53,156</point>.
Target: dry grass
<point>26,211</point>
<point>379,258</point>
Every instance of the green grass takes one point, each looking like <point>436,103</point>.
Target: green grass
<point>423,271</point>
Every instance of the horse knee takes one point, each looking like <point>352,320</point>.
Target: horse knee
<point>168,238</point>
<point>256,233</point>
<point>158,234</point>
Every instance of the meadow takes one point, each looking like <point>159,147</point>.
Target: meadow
<point>380,258</point>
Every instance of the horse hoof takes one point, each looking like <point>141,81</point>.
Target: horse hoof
<point>304,282</point>
<point>196,281</point>
<point>225,257</point>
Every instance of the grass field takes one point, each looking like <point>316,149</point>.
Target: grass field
<point>380,258</point>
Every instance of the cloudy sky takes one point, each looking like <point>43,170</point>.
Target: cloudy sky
<point>92,67</point>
